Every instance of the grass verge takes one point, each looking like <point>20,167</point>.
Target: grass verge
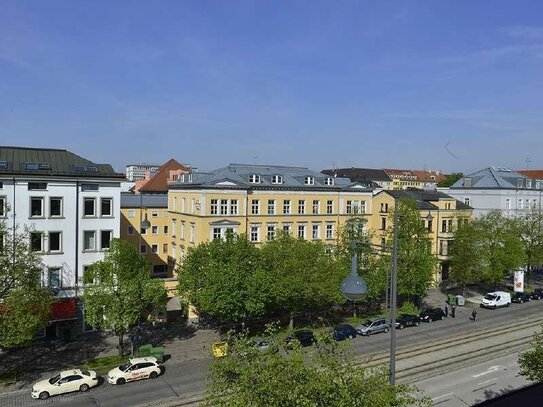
<point>8,378</point>
<point>105,363</point>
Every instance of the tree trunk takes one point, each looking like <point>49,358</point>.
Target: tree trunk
<point>291,323</point>
<point>121,343</point>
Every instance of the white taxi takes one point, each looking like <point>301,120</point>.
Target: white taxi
<point>135,369</point>
<point>65,382</point>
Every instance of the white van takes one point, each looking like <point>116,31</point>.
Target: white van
<point>496,299</point>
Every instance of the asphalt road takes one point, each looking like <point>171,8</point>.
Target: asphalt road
<point>187,378</point>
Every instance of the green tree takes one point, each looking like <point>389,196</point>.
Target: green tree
<point>529,229</point>
<point>328,376</point>
<point>223,279</point>
<point>119,289</point>
<point>465,254</point>
<point>531,361</point>
<point>501,249</point>
<point>450,180</point>
<point>24,303</point>
<point>301,274</point>
<point>416,263</point>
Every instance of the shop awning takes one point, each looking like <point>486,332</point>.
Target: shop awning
<point>64,310</point>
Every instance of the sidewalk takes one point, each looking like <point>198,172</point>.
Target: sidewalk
<point>182,342</point>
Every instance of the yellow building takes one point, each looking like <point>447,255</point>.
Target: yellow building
<point>259,201</point>
<point>440,212</point>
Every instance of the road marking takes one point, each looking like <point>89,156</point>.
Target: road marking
<point>491,369</point>
<point>443,395</point>
<point>486,381</point>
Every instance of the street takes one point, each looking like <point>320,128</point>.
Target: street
<point>184,379</point>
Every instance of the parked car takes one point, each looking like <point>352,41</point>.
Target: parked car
<point>432,314</point>
<point>343,332</point>
<point>65,382</point>
<point>496,299</point>
<point>135,369</point>
<point>373,326</point>
<point>537,294</point>
<point>521,297</point>
<point>407,320</point>
<point>305,337</point>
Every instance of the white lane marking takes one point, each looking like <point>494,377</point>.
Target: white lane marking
<point>443,395</point>
<point>486,381</point>
<point>491,369</point>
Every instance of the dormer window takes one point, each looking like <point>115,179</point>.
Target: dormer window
<point>190,177</point>
<point>529,183</point>
<point>254,179</point>
<point>467,182</point>
<point>520,183</point>
<point>329,181</point>
<point>309,181</point>
<point>277,179</point>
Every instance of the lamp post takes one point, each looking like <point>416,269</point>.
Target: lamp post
<point>353,287</point>
<point>393,295</point>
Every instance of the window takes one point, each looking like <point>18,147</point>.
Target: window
<point>36,241</point>
<point>538,185</point>
<point>329,207</point>
<point>361,206</point>
<point>255,207</point>
<point>106,207</point>
<point>36,207</point>
<point>384,207</point>
<point>271,232</point>
<point>37,186</point>
<point>89,187</point>
<point>89,207</point>
<point>105,239</point>
<point>214,206</point>
<point>154,248</point>
<point>520,204</point>
<point>254,233</point>
<point>315,232</point>
<point>143,249</point>
<point>2,206</point>
<point>277,179</point>
<point>508,203</point>
<point>301,231</point>
<point>192,232</point>
<point>329,231</point>
<point>286,228</point>
<point>233,207</point>
<point>154,214</point>
<point>271,206</point>
<point>154,230</point>
<point>309,181</point>
<point>383,223</point>
<point>534,204</point>
<point>224,206</point>
<point>89,240</point>
<point>467,201</point>
<point>316,207</point>
<point>286,206</point>
<point>529,183</point>
<point>54,277</point>
<point>174,227</point>
<point>449,225</point>
<point>55,241</point>
<point>254,179</point>
<point>193,205</point>
<point>130,230</point>
<point>443,247</point>
<point>131,213</point>
<point>349,206</point>
<point>183,230</point>
<point>165,229</point>
<point>174,205</point>
<point>329,181</point>
<point>301,206</point>
<point>55,207</point>
<point>3,165</point>
<point>216,233</point>
<point>165,248</point>
<point>520,183</point>
<point>429,225</point>
<point>183,201</point>
<point>143,231</point>
<point>158,269</point>
<point>527,206</point>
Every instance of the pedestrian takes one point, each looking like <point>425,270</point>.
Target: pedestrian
<point>446,311</point>
<point>453,309</point>
<point>473,315</point>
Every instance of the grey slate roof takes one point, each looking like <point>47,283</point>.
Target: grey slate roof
<point>51,162</point>
<point>129,200</point>
<point>424,198</point>
<point>293,178</point>
<point>360,174</point>
<point>492,178</point>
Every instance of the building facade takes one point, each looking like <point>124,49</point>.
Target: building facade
<point>440,212</point>
<point>135,172</point>
<point>70,206</point>
<point>500,189</point>
<point>260,201</point>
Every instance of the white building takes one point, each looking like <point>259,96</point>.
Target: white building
<point>71,208</point>
<point>498,189</point>
<point>135,172</point>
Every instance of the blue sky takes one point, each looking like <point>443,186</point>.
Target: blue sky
<point>453,85</point>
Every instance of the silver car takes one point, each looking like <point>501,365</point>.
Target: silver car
<point>373,326</point>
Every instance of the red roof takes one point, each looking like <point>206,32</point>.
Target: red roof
<point>159,182</point>
<point>533,174</point>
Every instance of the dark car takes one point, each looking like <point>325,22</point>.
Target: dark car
<point>432,314</point>
<point>407,320</point>
<point>520,297</point>
<point>306,338</point>
<point>343,332</point>
<point>537,294</point>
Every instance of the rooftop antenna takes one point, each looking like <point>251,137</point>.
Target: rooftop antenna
<point>528,161</point>
<point>334,165</point>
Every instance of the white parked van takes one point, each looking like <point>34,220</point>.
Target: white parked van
<point>496,299</point>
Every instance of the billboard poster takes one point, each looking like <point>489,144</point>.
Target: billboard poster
<point>519,281</point>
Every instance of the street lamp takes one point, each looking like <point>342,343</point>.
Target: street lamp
<point>354,288</point>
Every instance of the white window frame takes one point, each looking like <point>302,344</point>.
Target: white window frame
<point>224,207</point>
<point>174,227</point>
<point>93,249</point>
<point>59,241</point>
<point>271,206</point>
<point>271,231</point>
<point>316,207</point>
<point>277,179</point>
<point>287,228</point>
<point>110,215</point>
<point>192,232</point>
<point>330,207</point>
<point>286,206</point>
<point>131,213</point>
<point>302,230</point>
<point>255,207</point>
<point>329,231</point>
<point>51,198</point>
<point>85,199</point>
<point>154,229</point>
<point>254,179</point>
<point>329,181</point>
<point>309,180</point>
<point>254,234</point>
<point>42,207</point>
<point>214,206</point>
<point>233,207</point>
<point>301,206</point>
<point>315,231</point>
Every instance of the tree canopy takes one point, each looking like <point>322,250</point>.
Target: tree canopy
<point>450,180</point>
<point>531,361</point>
